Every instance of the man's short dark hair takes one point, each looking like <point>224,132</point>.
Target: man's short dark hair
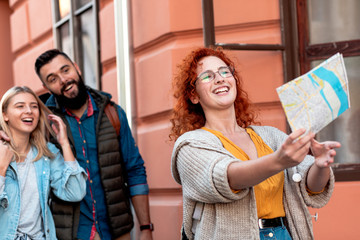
<point>46,57</point>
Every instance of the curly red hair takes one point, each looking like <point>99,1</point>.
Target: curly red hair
<point>188,116</point>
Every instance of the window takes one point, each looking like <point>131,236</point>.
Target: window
<point>286,24</point>
<point>325,28</point>
<point>75,27</point>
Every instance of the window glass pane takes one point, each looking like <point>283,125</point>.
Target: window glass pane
<point>333,20</point>
<point>64,8</point>
<point>87,44</point>
<point>80,3</point>
<point>345,129</point>
<point>65,39</point>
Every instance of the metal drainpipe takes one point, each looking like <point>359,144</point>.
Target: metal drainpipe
<point>124,61</point>
<point>125,70</point>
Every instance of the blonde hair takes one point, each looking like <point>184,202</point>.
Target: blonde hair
<point>40,135</point>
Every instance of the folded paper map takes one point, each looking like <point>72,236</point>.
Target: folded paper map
<point>316,98</point>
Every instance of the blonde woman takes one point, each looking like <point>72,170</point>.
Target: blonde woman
<point>30,167</point>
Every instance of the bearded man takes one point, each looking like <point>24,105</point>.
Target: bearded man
<point>115,168</point>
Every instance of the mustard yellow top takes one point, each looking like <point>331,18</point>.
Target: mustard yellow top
<point>269,193</point>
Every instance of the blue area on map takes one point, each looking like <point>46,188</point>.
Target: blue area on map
<point>333,80</point>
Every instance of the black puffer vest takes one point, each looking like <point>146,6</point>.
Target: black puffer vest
<point>113,179</point>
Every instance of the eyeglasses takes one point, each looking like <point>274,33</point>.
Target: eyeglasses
<point>208,75</point>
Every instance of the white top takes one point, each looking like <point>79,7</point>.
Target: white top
<point>30,213</point>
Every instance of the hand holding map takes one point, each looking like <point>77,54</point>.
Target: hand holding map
<point>316,98</point>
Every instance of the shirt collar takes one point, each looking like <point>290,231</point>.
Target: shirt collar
<point>90,109</point>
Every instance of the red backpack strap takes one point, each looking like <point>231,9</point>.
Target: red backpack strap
<point>112,114</point>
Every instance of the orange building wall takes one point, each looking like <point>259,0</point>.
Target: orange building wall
<point>31,34</point>
<point>108,48</point>
<point>161,40</point>
<point>6,56</point>
<point>163,32</point>
<point>338,219</point>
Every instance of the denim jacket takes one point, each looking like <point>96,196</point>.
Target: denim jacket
<point>51,174</point>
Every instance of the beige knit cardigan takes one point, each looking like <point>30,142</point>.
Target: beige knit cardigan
<point>199,164</point>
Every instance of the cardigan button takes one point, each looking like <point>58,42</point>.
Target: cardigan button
<point>296,177</point>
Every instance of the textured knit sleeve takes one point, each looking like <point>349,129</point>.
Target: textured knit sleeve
<point>275,138</point>
<point>315,200</point>
<point>199,164</point>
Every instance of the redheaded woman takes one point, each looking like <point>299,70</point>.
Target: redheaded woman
<point>237,178</point>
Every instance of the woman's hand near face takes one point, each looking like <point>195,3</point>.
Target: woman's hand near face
<point>5,157</point>
<point>59,128</point>
<point>3,136</point>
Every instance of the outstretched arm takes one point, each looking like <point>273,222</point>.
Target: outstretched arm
<point>249,173</point>
<point>319,172</point>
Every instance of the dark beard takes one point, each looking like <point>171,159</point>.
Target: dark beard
<point>76,102</point>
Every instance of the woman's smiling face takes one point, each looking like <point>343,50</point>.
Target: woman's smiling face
<point>219,93</point>
<point>22,114</point>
